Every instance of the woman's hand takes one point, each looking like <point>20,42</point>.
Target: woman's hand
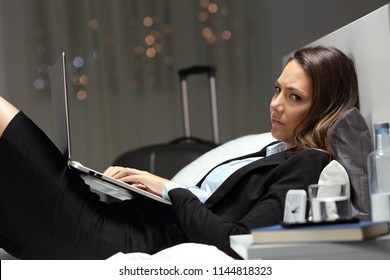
<point>138,178</point>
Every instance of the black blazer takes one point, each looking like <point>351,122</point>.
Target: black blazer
<point>251,197</point>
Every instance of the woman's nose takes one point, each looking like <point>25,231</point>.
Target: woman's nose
<point>277,102</point>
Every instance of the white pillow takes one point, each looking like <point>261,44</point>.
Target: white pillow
<point>182,252</point>
<point>194,172</point>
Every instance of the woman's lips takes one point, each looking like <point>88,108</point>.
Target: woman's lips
<point>277,122</point>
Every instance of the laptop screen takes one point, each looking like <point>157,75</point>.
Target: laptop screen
<point>59,101</point>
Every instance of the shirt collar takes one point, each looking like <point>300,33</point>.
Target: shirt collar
<point>276,148</point>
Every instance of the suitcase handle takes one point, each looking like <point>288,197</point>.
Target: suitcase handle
<point>183,73</point>
<point>197,69</point>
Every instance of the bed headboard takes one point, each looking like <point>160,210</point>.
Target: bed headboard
<point>367,42</point>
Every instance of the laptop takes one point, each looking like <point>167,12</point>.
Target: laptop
<point>62,139</point>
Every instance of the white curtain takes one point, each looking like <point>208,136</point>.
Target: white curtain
<point>122,59</point>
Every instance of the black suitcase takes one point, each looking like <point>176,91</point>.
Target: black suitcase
<point>167,159</point>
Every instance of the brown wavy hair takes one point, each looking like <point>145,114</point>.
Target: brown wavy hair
<point>335,90</point>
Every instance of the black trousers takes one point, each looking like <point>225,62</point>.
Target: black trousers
<point>48,212</point>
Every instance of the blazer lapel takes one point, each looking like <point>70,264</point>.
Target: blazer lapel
<point>257,154</point>
<point>275,159</point>
<point>261,153</point>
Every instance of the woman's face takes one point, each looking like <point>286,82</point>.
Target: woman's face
<point>291,101</point>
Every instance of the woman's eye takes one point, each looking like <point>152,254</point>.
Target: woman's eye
<point>277,89</point>
<point>295,97</point>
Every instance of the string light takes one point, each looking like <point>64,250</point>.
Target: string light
<point>78,62</point>
<point>148,36</point>
<point>83,80</point>
<point>93,24</point>
<point>203,16</point>
<point>169,60</point>
<point>168,28</point>
<point>149,40</point>
<point>81,95</point>
<point>148,21</point>
<point>213,8</point>
<point>215,25</point>
<point>150,52</point>
<point>138,50</point>
<point>204,3</point>
<point>226,35</point>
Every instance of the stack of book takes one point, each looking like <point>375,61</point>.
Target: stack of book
<point>320,232</point>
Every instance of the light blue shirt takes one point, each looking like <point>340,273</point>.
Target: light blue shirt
<point>219,174</point>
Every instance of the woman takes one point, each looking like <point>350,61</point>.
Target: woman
<point>47,211</point>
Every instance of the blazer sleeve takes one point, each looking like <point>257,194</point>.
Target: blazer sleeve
<point>201,225</point>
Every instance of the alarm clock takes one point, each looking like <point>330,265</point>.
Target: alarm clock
<point>295,207</point>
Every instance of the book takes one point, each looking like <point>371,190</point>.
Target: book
<point>313,232</point>
<point>372,249</point>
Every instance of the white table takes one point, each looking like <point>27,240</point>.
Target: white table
<point>378,248</point>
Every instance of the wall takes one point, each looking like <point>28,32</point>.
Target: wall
<point>292,24</point>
